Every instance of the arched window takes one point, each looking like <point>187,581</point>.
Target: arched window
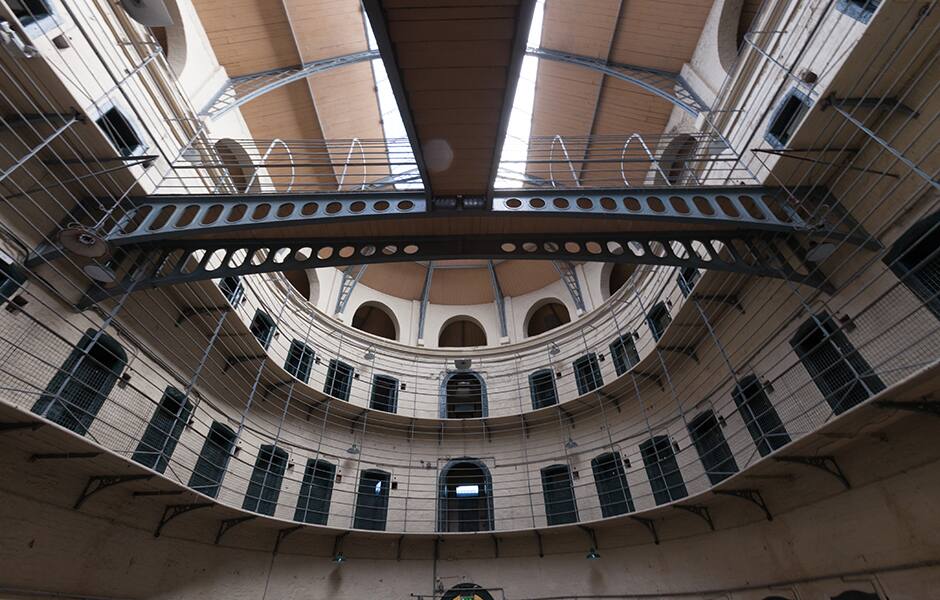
<point>677,160</point>
<point>262,327</point>
<point>613,493</point>
<point>164,430</point>
<point>467,591</point>
<point>213,460</point>
<point>558,490</point>
<point>464,396</point>
<point>624,354</point>
<point>837,369</point>
<point>264,487</point>
<point>376,319</point>
<point>712,448</point>
<point>759,415</point>
<point>384,393</point>
<point>749,10</point>
<point>587,373</point>
<point>465,497</point>
<point>299,360</point>
<point>339,378</point>
<point>658,320</point>
<point>79,388</point>
<point>915,259</point>
<point>372,500</point>
<point>619,275</point>
<point>462,333</point>
<point>300,281</point>
<point>546,317</point>
<point>238,167</point>
<point>542,388</point>
<point>662,470</point>
<point>316,490</point>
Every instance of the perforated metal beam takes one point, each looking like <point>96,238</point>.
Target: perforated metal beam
<point>245,88</point>
<point>668,86</point>
<point>740,251</point>
<point>166,217</point>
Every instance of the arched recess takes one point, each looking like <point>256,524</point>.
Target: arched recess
<point>305,283</point>
<point>617,276</point>
<point>465,496</point>
<point>377,319</point>
<point>172,39</point>
<point>467,590</point>
<point>546,315</point>
<point>461,332</point>
<point>237,166</point>
<point>463,396</point>
<point>676,161</point>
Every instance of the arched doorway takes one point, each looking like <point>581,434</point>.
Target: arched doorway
<point>466,591</point>
<point>677,162</point>
<point>545,317</point>
<point>461,332</point>
<point>620,273</point>
<point>465,497</point>
<point>237,165</point>
<point>376,319</point>
<point>300,281</point>
<point>463,396</point>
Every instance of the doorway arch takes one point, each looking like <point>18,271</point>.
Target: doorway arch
<point>463,396</point>
<point>465,496</point>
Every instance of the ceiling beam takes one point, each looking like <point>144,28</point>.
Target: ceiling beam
<point>377,19</point>
<point>520,42</point>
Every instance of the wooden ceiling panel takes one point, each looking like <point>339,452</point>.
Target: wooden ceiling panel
<point>453,61</point>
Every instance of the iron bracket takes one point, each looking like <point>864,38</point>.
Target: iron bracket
<point>32,425</point>
<point>699,511</point>
<point>100,482</point>
<point>650,526</point>
<point>921,406</point>
<point>231,361</point>
<point>824,463</point>
<point>729,299</point>
<point>651,377</point>
<point>687,350</point>
<point>283,533</point>
<point>538,537</point>
<point>174,510</point>
<point>227,524</point>
<point>62,455</point>
<point>751,495</point>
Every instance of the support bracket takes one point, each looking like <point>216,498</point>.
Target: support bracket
<point>538,537</point>
<point>16,426</point>
<point>650,526</point>
<point>823,463</point>
<point>98,483</point>
<point>729,299</point>
<point>227,524</point>
<point>283,533</point>
<point>699,511</point>
<point>687,350</point>
<point>922,406</point>
<point>231,361</point>
<point>174,510</point>
<point>62,456</point>
<point>751,495</point>
<point>190,312</point>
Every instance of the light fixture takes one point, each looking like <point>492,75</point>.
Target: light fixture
<point>82,241</point>
<point>370,353</point>
<point>571,443</point>
<point>339,558</point>
<point>553,349</point>
<point>354,449</point>
<point>593,554</point>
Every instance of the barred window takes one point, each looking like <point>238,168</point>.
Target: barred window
<point>663,470</point>
<point>213,460</point>
<point>164,430</point>
<point>264,487</point>
<point>558,490</point>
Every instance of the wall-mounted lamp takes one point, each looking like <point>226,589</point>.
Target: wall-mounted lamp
<point>354,449</point>
<point>593,554</point>
<point>339,558</point>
